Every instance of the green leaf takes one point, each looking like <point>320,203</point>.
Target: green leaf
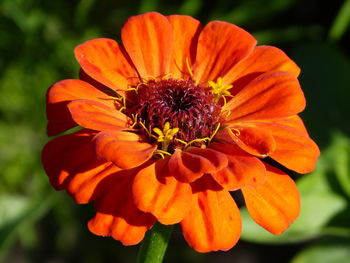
<point>11,206</point>
<point>325,252</point>
<point>16,210</point>
<point>341,22</point>
<point>339,158</point>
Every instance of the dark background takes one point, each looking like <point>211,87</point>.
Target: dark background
<point>37,39</point>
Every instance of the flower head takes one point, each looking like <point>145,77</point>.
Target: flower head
<point>173,119</point>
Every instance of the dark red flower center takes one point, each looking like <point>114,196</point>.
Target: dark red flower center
<point>182,103</point>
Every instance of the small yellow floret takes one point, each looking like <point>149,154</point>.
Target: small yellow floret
<point>220,90</point>
<point>167,134</point>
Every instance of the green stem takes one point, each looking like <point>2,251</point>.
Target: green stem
<point>155,243</point>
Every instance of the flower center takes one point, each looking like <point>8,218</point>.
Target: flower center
<point>188,107</point>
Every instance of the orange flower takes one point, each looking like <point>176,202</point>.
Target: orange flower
<point>173,119</point>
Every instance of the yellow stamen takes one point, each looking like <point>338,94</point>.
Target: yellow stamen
<point>148,77</point>
<point>161,153</point>
<point>133,89</point>
<point>189,67</point>
<point>134,117</point>
<point>124,104</point>
<point>234,131</point>
<point>215,132</point>
<point>220,90</point>
<point>121,100</point>
<point>166,135</point>
<point>137,87</point>
<point>113,98</point>
<point>145,128</point>
<point>206,139</point>
<point>166,76</point>
<point>185,143</point>
<point>237,132</point>
<point>193,141</point>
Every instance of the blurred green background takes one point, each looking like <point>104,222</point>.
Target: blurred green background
<point>37,38</point>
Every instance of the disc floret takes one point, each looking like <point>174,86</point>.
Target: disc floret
<point>175,112</point>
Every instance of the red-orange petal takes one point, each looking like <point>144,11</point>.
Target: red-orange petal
<point>148,39</point>
<point>294,148</point>
<point>71,164</point>
<point>98,85</point>
<point>242,169</point>
<point>118,228</point>
<point>161,195</point>
<point>221,45</point>
<point>123,148</point>
<point>250,138</point>
<point>63,92</point>
<point>213,222</point>
<point>96,115</point>
<point>185,34</point>
<point>271,95</point>
<point>190,165</point>
<point>117,215</point>
<point>107,62</point>
<point>275,204</point>
<point>217,159</point>
<point>261,60</point>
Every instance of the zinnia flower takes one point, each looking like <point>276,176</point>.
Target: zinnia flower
<point>173,119</point>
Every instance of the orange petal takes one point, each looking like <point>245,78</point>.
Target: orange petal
<point>251,139</point>
<point>213,222</point>
<point>83,184</point>
<point>148,40</point>
<point>217,159</point>
<point>161,195</point>
<point>107,62</point>
<point>63,92</point>
<point>275,204</point>
<point>123,148</point>
<point>70,163</point>
<point>242,169</point>
<point>117,215</point>
<point>294,148</point>
<point>185,34</point>
<point>271,95</point>
<point>190,165</point>
<point>221,46</point>
<point>98,85</point>
<point>118,228</point>
<point>261,60</point>
<point>96,115</point>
